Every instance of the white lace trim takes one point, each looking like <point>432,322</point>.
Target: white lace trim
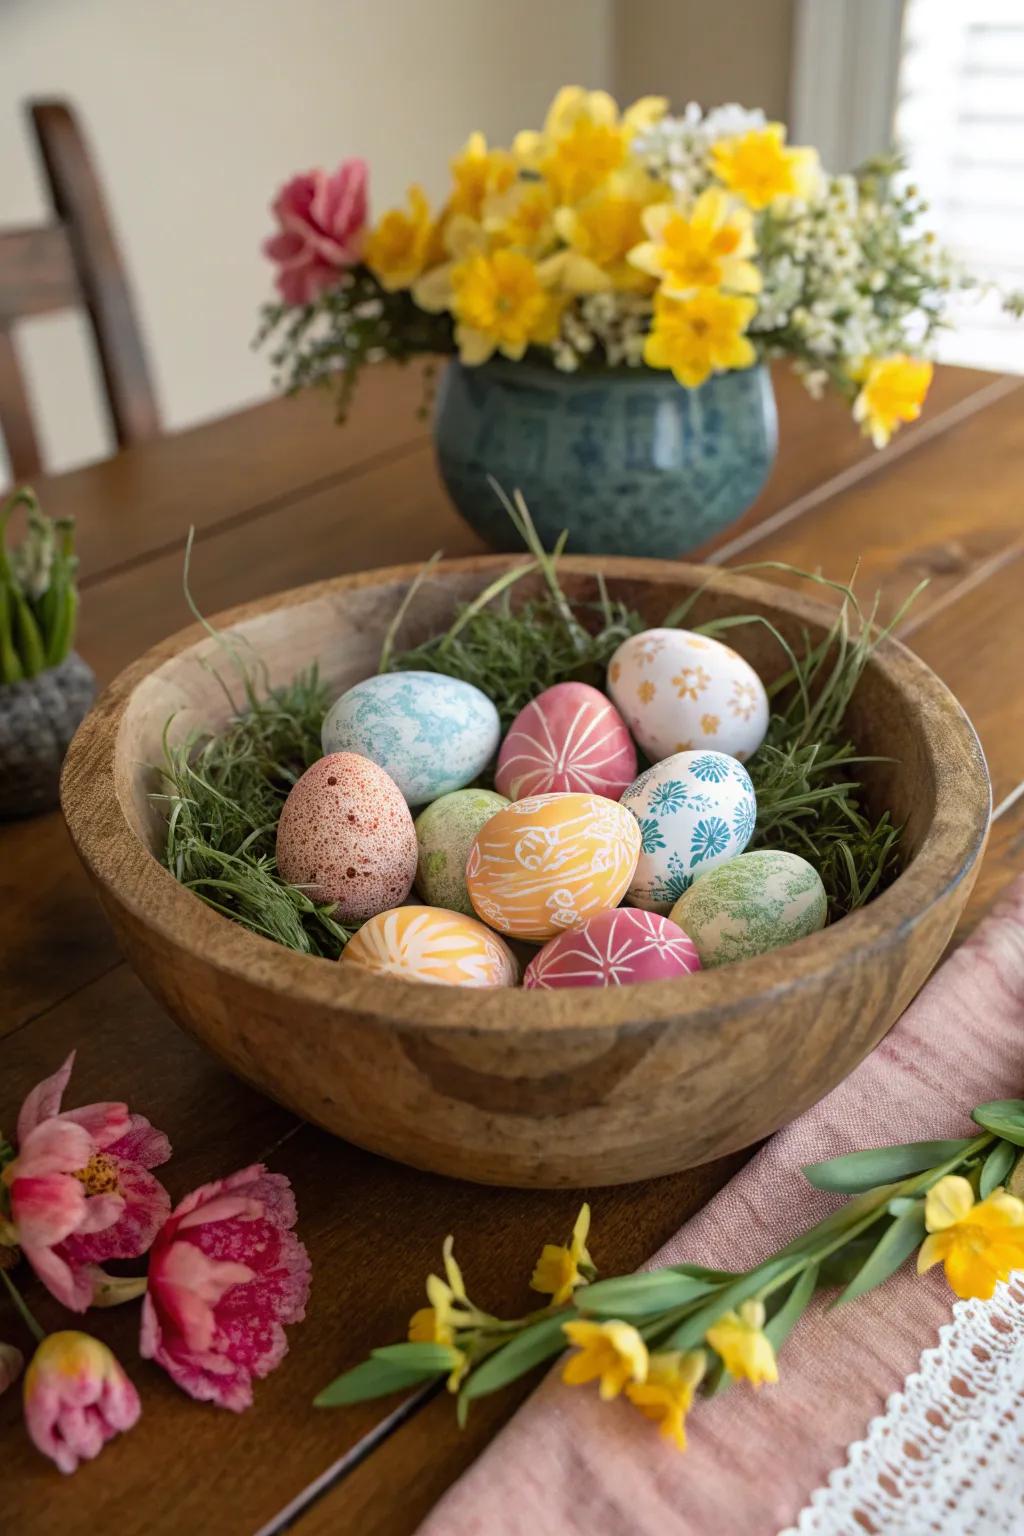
<point>946,1455</point>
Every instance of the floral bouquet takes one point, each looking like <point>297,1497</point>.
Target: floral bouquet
<point>698,245</point>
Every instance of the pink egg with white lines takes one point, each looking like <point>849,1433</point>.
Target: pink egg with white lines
<point>614,949</point>
<point>568,740</point>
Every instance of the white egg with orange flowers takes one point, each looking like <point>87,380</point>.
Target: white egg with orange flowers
<point>681,692</point>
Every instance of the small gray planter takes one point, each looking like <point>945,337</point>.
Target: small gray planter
<point>37,720</point>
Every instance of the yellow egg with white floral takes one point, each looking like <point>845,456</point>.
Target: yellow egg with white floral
<point>681,692</point>
<point>434,945</point>
<point>547,863</point>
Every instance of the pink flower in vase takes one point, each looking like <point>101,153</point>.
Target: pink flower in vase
<point>77,1398</point>
<point>322,227</point>
<point>226,1273</point>
<point>80,1189</point>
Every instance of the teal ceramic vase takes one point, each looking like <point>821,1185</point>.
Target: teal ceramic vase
<point>628,461</point>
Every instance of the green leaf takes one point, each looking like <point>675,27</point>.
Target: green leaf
<point>538,1342</point>
<point>896,1244</point>
<point>426,1358</point>
<point>997,1165</point>
<point>373,1378</point>
<point>690,1332</point>
<point>839,1268</point>
<point>699,1272</point>
<point>1005,1117</point>
<point>782,1322</point>
<point>860,1171</point>
<point>640,1295</point>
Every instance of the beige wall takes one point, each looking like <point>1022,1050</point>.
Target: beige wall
<point>709,51</point>
<point>197,109</point>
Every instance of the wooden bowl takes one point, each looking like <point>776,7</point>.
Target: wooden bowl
<point>529,1088</point>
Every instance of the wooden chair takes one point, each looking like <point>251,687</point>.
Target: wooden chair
<point>73,262</point>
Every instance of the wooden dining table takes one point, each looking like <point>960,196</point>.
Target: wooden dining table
<point>279,496</point>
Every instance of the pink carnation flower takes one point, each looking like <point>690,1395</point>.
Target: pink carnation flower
<point>80,1189</point>
<point>77,1398</point>
<point>323,225</point>
<point>226,1274</point>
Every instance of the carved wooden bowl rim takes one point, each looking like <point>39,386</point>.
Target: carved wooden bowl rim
<point>134,880</point>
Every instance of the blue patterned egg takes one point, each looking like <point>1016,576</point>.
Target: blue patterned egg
<point>695,810</point>
<point>430,733</point>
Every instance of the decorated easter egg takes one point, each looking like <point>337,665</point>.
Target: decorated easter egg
<point>550,862</point>
<point>613,949</point>
<point>568,739</point>
<point>753,903</point>
<point>681,692</point>
<point>694,811</point>
<point>431,944</point>
<point>445,833</point>
<point>345,835</point>
<point>431,733</point>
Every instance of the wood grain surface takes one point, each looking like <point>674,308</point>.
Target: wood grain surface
<point>374,1230</point>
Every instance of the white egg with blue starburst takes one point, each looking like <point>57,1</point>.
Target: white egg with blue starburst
<point>695,810</point>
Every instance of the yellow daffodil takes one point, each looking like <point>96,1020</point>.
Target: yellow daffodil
<point>403,243</point>
<point>437,1323</point>
<point>759,167</point>
<point>978,1243</point>
<point>706,247</point>
<point>584,140</point>
<point>611,1353</point>
<point>893,390</point>
<point>745,1350</point>
<point>523,216</point>
<point>599,235</point>
<point>667,1394</point>
<point>559,1269</point>
<point>499,302</point>
<point>699,336</point>
<point>479,173</point>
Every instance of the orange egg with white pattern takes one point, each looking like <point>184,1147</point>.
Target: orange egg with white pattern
<point>434,945</point>
<point>547,863</point>
<point>681,692</point>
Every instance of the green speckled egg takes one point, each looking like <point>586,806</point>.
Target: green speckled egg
<point>754,903</point>
<point>445,833</point>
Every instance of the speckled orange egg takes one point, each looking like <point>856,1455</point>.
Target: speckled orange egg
<point>548,863</point>
<point>434,945</point>
<point>346,835</point>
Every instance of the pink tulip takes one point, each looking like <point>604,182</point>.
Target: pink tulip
<point>80,1188</point>
<point>77,1398</point>
<point>11,1362</point>
<point>322,227</point>
<point>226,1273</point>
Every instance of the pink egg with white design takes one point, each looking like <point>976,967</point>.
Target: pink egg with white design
<point>570,739</point>
<point>614,949</point>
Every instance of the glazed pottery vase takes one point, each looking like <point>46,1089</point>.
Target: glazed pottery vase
<point>627,460</point>
<point>38,718</point>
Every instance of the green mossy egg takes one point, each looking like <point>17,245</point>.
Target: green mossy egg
<point>445,833</point>
<point>754,903</point>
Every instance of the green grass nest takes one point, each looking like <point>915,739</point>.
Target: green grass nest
<point>224,793</point>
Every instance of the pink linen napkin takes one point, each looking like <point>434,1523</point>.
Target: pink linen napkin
<point>569,1465</point>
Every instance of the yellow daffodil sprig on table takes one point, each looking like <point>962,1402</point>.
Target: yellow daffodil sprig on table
<point>694,244</point>
<point>664,1337</point>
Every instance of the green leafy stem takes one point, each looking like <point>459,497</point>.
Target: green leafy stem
<point>851,1252</point>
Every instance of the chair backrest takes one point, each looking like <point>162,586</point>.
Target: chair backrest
<point>70,263</point>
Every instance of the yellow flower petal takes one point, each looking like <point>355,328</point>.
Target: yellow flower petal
<point>932,1251</point>
<point>612,1353</point>
<point>947,1202</point>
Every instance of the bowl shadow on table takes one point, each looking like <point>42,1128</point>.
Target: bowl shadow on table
<point>538,1089</point>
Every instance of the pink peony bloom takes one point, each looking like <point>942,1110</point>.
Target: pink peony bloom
<point>226,1274</point>
<point>323,225</point>
<point>11,1362</point>
<point>77,1398</point>
<point>80,1188</point>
